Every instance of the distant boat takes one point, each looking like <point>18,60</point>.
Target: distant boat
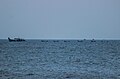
<point>15,40</point>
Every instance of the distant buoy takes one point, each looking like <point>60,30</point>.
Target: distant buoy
<point>93,40</point>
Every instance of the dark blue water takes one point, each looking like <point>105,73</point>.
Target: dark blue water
<point>60,59</point>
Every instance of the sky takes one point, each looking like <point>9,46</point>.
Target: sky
<point>60,19</point>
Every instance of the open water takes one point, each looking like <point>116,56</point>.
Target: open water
<point>60,59</point>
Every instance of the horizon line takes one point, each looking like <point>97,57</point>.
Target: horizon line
<point>68,38</point>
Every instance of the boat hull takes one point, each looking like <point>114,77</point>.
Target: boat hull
<point>16,40</point>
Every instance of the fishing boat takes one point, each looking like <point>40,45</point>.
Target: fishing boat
<point>15,40</point>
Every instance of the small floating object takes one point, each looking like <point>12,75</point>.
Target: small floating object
<point>44,40</point>
<point>79,41</point>
<point>93,40</point>
<point>15,39</point>
<point>65,41</point>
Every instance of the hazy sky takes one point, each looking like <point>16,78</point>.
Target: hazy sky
<point>60,19</point>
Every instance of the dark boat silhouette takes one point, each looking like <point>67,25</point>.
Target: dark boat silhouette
<point>15,40</point>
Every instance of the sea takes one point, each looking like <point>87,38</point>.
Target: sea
<point>60,59</point>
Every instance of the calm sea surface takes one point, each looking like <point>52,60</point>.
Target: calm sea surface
<point>60,59</point>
